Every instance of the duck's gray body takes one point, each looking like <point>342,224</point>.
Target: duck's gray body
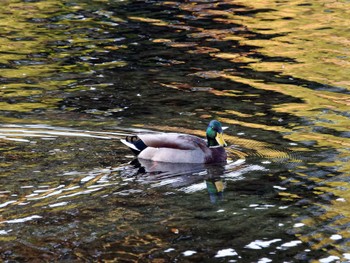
<point>179,148</point>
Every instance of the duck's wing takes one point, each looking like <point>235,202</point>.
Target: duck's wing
<point>173,141</point>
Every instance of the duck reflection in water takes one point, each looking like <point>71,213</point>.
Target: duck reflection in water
<point>184,175</point>
<point>215,183</point>
<point>215,187</point>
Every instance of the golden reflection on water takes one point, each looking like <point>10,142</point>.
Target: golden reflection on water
<point>36,40</point>
<point>300,26</point>
<point>315,36</point>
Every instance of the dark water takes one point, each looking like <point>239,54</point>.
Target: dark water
<point>75,77</point>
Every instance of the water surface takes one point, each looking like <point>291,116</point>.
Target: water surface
<point>75,77</point>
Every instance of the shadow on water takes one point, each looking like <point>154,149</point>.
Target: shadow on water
<point>75,77</point>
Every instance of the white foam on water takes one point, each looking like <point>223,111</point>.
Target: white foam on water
<point>329,259</point>
<point>15,139</point>
<point>291,244</point>
<point>58,204</point>
<point>238,162</point>
<point>87,178</point>
<point>7,203</point>
<point>260,244</point>
<point>279,187</point>
<point>239,173</point>
<point>27,186</point>
<point>21,220</point>
<point>228,252</point>
<point>45,196</point>
<point>72,173</point>
<point>165,182</point>
<point>41,191</point>
<point>189,253</point>
<point>194,188</point>
<point>4,232</point>
<point>128,192</point>
<point>336,237</point>
<point>31,195</point>
<point>341,200</point>
<point>264,260</point>
<point>298,225</point>
<point>260,206</point>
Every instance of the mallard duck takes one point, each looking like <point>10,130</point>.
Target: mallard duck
<point>180,148</point>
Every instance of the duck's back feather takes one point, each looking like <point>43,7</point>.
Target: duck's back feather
<point>173,141</point>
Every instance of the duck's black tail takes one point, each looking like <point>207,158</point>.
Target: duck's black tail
<point>134,143</point>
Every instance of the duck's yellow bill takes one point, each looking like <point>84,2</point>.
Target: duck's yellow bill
<point>220,139</point>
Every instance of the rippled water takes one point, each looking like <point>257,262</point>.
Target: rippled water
<point>75,77</point>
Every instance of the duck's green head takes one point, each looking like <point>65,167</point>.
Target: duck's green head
<point>215,134</point>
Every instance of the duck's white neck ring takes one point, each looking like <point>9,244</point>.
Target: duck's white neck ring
<point>216,146</point>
